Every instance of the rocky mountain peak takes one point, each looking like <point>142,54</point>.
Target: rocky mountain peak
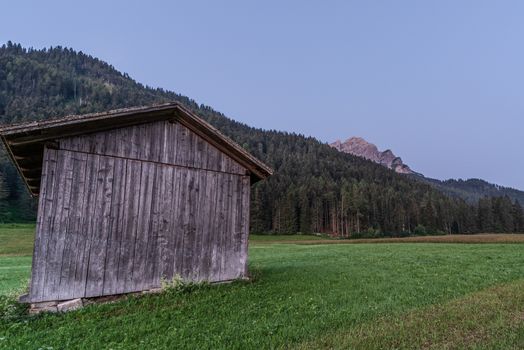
<point>360,147</point>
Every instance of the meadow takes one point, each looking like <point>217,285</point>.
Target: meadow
<point>305,293</point>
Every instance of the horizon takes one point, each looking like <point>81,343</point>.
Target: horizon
<point>449,107</point>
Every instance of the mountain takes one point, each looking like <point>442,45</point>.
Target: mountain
<point>357,146</point>
<point>315,188</point>
<point>471,190</point>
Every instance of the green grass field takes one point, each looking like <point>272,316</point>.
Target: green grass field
<point>356,296</point>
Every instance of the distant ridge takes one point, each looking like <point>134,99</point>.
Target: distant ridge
<point>470,190</point>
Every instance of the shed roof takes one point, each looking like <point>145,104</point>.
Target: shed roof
<point>25,142</point>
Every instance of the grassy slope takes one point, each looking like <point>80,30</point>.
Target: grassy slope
<point>311,296</point>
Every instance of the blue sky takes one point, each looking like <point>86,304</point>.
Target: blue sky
<point>441,83</point>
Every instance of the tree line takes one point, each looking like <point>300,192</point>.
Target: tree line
<point>314,189</point>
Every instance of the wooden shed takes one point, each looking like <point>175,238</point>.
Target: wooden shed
<point>131,196</point>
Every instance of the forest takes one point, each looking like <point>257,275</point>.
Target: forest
<point>315,189</point>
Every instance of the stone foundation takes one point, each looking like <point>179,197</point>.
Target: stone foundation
<point>75,304</point>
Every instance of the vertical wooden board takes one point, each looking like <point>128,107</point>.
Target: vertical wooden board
<point>44,208</point>
<point>166,141</point>
<point>182,221</point>
<point>115,234</point>
<point>239,234</point>
<point>188,149</point>
<point>51,204</point>
<point>182,148</point>
<point>90,222</point>
<point>203,153</point>
<point>197,151</point>
<point>207,229</point>
<point>83,226</point>
<point>233,234</point>
<point>60,230</point>
<point>143,225</point>
<point>211,157</point>
<point>130,228</point>
<point>68,282</point>
<point>133,142</point>
<point>171,143</point>
<point>214,232</point>
<point>111,139</point>
<point>235,231</point>
<point>165,251</point>
<point>160,140</point>
<point>100,230</point>
<point>191,239</point>
<point>222,227</point>
<point>124,143</point>
<point>120,238</point>
<point>216,255</point>
<point>176,227</point>
<point>188,225</point>
<point>226,273</point>
<point>222,166</point>
<point>54,253</point>
<point>246,193</point>
<point>153,259</point>
<point>200,218</point>
<point>142,143</point>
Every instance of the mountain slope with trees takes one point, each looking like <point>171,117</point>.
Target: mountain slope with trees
<point>471,190</point>
<point>315,188</point>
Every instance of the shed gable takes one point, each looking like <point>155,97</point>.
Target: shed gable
<point>163,142</point>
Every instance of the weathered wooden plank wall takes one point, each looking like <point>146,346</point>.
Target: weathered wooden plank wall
<point>119,210</point>
<point>163,142</point>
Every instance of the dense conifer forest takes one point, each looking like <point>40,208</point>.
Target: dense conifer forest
<point>315,188</point>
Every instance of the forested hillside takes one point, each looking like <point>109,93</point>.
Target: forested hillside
<point>315,188</point>
<point>473,190</point>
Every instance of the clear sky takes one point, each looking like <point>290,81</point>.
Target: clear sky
<point>441,83</point>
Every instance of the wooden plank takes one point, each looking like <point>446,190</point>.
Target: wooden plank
<point>183,221</point>
<point>152,266</point>
<point>226,231</point>
<point>238,240</point>
<point>69,286</point>
<point>45,206</point>
<point>177,215</point>
<point>188,225</point>
<point>54,252</point>
<point>246,201</point>
<point>115,234</point>
<point>167,140</point>
<point>165,233</point>
<point>232,236</point>
<point>130,222</point>
<point>218,225</point>
<point>140,248</point>
<point>63,236</point>
<point>100,232</point>
<point>200,218</point>
<point>91,221</point>
<point>208,229</point>
<point>182,148</point>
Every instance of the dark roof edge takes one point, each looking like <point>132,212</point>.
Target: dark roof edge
<point>81,118</point>
<point>35,133</point>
